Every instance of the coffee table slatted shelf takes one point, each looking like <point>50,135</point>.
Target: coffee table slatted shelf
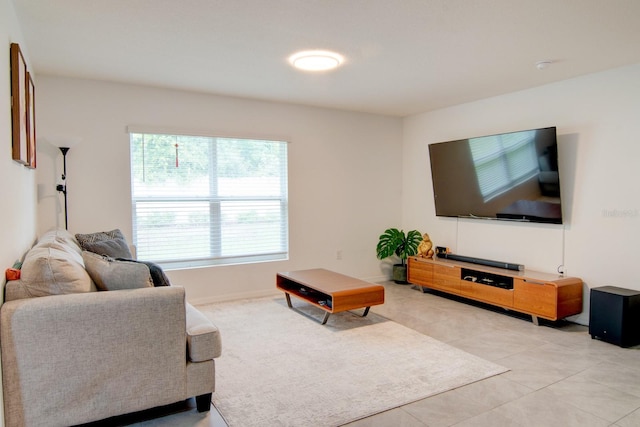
<point>329,291</point>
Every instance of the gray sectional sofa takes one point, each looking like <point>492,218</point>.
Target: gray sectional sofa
<point>72,354</point>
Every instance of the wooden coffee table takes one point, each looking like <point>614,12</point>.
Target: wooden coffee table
<point>329,291</point>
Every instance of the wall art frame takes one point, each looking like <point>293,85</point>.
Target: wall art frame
<point>31,122</point>
<point>19,105</point>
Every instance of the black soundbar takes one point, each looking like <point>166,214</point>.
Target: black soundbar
<point>480,261</point>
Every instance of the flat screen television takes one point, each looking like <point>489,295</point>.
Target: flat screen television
<point>509,176</point>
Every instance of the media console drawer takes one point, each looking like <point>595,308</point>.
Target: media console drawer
<point>446,278</point>
<point>538,294</point>
<point>493,295</point>
<point>535,297</point>
<point>421,272</point>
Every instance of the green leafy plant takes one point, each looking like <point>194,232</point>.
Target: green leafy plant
<point>396,242</point>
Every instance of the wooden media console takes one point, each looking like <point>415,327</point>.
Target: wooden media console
<point>549,296</point>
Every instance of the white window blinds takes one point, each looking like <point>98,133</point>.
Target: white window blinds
<point>204,200</point>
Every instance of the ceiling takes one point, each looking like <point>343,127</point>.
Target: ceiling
<point>402,56</point>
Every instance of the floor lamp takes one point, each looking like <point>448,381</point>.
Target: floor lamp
<point>63,187</point>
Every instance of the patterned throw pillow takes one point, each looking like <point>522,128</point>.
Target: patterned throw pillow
<point>116,248</point>
<point>99,236</point>
<point>110,243</point>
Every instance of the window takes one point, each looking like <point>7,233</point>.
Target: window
<point>203,201</point>
<point>503,161</point>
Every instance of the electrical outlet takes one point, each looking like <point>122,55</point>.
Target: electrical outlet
<point>339,254</point>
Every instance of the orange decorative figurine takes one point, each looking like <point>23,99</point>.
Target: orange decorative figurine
<point>425,248</point>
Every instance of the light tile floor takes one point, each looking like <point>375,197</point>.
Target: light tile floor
<point>558,375</point>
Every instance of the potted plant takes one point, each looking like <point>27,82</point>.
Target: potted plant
<point>396,242</point>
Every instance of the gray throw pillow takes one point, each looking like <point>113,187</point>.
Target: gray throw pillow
<point>111,275</point>
<point>157,274</point>
<point>116,248</point>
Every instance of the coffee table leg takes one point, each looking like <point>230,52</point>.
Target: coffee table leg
<point>366,311</point>
<point>288,297</point>
<point>326,317</point>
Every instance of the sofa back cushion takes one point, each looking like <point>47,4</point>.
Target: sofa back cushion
<point>54,266</point>
<point>61,239</point>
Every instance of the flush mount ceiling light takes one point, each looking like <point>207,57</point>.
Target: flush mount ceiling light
<point>541,65</point>
<point>316,60</point>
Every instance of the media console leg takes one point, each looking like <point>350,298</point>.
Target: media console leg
<point>288,300</point>
<point>534,319</point>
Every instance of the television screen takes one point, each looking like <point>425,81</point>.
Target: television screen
<point>510,176</point>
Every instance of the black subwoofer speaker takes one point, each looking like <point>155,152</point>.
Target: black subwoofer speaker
<point>614,315</point>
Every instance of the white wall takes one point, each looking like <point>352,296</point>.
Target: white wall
<point>344,173</point>
<point>342,167</point>
<point>599,150</point>
<point>18,213</point>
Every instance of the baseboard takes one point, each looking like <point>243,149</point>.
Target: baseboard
<point>260,294</point>
<point>377,279</point>
<point>235,296</point>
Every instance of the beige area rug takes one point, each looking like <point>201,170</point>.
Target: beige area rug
<point>281,368</point>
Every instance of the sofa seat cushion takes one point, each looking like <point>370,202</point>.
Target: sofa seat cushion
<point>203,337</point>
<point>112,275</point>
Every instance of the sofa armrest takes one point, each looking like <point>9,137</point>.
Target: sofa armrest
<point>203,337</point>
<point>93,354</point>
